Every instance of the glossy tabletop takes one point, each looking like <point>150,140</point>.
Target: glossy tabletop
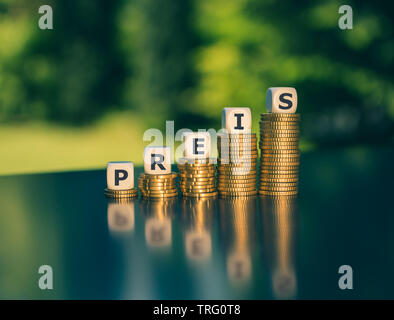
<point>255,248</point>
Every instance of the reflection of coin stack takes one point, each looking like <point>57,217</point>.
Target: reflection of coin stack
<point>158,185</point>
<point>197,215</point>
<point>158,214</point>
<point>237,164</point>
<point>280,157</point>
<point>197,178</point>
<point>279,223</point>
<point>238,217</point>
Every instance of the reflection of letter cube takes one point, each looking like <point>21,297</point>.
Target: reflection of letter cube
<point>197,145</point>
<point>237,120</point>
<point>120,175</point>
<point>121,216</point>
<point>158,232</point>
<point>157,160</point>
<point>281,100</point>
<point>198,245</point>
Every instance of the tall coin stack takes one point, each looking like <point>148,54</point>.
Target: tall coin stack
<point>280,157</point>
<point>237,175</point>
<point>158,186</point>
<point>197,178</point>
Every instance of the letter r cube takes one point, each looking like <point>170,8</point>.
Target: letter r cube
<point>197,145</point>
<point>120,175</point>
<point>157,160</point>
<point>281,100</point>
<point>237,120</point>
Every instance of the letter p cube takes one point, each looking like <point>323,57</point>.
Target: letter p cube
<point>120,175</point>
<point>157,160</point>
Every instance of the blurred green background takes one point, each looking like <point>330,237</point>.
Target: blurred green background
<point>84,93</point>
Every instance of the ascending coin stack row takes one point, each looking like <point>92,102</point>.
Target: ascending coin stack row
<point>280,157</point>
<point>237,160</point>
<point>197,178</point>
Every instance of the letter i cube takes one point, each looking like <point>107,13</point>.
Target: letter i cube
<point>157,160</point>
<point>281,100</point>
<point>237,120</point>
<point>120,175</point>
<point>197,145</point>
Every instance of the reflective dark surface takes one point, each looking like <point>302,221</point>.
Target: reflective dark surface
<point>257,248</point>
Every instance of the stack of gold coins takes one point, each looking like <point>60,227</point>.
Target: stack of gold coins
<point>117,194</point>
<point>197,178</point>
<point>158,185</point>
<point>280,157</point>
<point>237,175</point>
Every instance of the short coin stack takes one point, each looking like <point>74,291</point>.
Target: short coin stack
<point>280,157</point>
<point>120,194</point>
<point>197,178</point>
<point>237,175</point>
<point>158,186</point>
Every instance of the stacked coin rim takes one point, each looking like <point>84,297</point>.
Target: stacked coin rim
<point>280,156</point>
<point>237,163</point>
<point>158,186</point>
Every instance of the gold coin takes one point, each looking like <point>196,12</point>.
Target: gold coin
<point>236,169</point>
<point>265,188</point>
<point>273,145</point>
<point>189,180</point>
<point>196,182</point>
<point>148,191</point>
<point>280,116</point>
<point>160,196</point>
<point>117,195</point>
<point>278,184</point>
<point>197,170</point>
<point>280,151</point>
<point>237,180</point>
<point>201,195</point>
<point>278,124</point>
<point>171,175</point>
<point>279,180</point>
<point>278,193</point>
<point>120,191</point>
<point>237,183</point>
<point>207,175</point>
<point>198,161</point>
<point>236,136</point>
<point>239,193</point>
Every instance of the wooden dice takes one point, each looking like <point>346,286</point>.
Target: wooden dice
<point>281,100</point>
<point>157,160</point>
<point>120,175</point>
<point>237,120</point>
<point>197,145</point>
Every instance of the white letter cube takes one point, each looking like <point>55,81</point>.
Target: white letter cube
<point>281,100</point>
<point>120,175</point>
<point>237,120</point>
<point>197,145</point>
<point>157,160</point>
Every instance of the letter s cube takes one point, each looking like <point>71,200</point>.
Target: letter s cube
<point>120,175</point>
<point>237,120</point>
<point>281,100</point>
<point>157,160</point>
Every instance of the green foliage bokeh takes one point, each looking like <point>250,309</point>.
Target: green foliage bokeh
<point>187,59</point>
